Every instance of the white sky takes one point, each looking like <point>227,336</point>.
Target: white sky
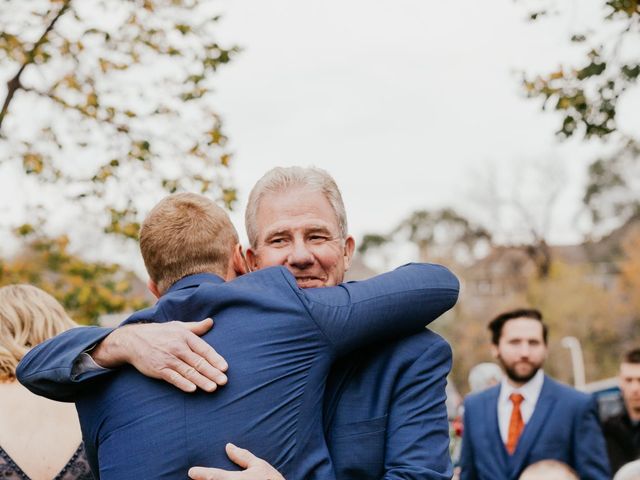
<point>405,102</point>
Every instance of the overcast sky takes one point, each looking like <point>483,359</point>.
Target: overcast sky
<point>407,103</point>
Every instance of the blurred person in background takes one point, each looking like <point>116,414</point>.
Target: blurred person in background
<point>528,417</point>
<point>40,439</point>
<point>549,470</point>
<point>483,376</point>
<point>622,431</point>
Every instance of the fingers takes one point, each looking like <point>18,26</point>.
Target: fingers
<point>183,371</point>
<point>202,473</point>
<point>201,327</point>
<point>174,352</point>
<point>199,370</point>
<point>177,380</point>
<point>189,374</point>
<point>241,457</point>
<point>207,353</point>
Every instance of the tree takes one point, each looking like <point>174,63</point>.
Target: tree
<point>588,97</point>
<point>518,200</point>
<point>109,101</point>
<point>441,235</point>
<point>574,303</point>
<point>85,289</point>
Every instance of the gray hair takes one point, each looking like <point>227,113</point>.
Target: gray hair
<point>281,179</point>
<point>629,471</point>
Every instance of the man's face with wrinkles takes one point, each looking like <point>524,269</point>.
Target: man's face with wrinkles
<point>298,229</point>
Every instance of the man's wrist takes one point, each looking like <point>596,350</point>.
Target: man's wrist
<point>111,352</point>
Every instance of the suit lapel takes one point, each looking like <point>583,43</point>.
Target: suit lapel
<point>498,450</point>
<point>543,408</point>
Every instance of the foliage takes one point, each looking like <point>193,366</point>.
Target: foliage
<point>440,233</point>
<point>588,98</point>
<point>576,303</point>
<point>371,241</point>
<point>85,289</point>
<point>109,99</point>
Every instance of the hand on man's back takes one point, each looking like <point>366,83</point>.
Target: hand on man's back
<point>254,468</point>
<point>173,352</point>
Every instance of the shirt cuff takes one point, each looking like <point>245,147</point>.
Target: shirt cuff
<point>84,363</point>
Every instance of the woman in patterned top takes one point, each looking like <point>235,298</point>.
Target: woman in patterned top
<point>39,439</point>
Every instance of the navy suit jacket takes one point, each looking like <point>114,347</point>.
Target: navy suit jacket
<point>564,427</point>
<point>385,412</point>
<point>279,342</point>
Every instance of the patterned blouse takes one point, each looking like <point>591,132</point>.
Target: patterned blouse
<point>77,468</point>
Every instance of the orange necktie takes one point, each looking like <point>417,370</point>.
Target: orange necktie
<point>516,424</point>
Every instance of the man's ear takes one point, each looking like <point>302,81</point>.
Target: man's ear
<point>252,260</point>
<point>238,261</point>
<point>349,247</point>
<point>153,288</point>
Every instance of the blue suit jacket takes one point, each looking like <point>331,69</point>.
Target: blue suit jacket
<point>385,412</point>
<point>279,342</point>
<point>564,427</point>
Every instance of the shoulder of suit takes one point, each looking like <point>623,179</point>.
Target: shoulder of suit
<point>477,398</point>
<point>418,344</point>
<point>266,276</point>
<point>567,391</point>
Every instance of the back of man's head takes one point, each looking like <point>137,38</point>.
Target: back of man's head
<point>629,471</point>
<point>549,470</point>
<point>185,234</point>
<point>496,325</point>
<point>281,179</point>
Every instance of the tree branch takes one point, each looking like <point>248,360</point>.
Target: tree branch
<point>14,84</point>
<point>120,127</point>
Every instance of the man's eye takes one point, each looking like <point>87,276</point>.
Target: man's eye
<point>276,241</point>
<point>318,238</point>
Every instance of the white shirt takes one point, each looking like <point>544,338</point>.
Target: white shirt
<point>530,391</point>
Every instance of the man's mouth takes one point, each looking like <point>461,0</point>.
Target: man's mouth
<point>308,281</point>
<point>524,364</point>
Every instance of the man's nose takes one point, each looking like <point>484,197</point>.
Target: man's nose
<point>300,256</point>
<point>525,350</point>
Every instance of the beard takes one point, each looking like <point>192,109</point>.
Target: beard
<point>520,375</point>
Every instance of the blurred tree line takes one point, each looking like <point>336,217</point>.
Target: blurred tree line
<point>107,107</point>
<point>589,291</point>
<point>86,289</point>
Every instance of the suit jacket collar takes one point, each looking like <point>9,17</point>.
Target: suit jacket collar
<point>498,450</point>
<point>195,281</point>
